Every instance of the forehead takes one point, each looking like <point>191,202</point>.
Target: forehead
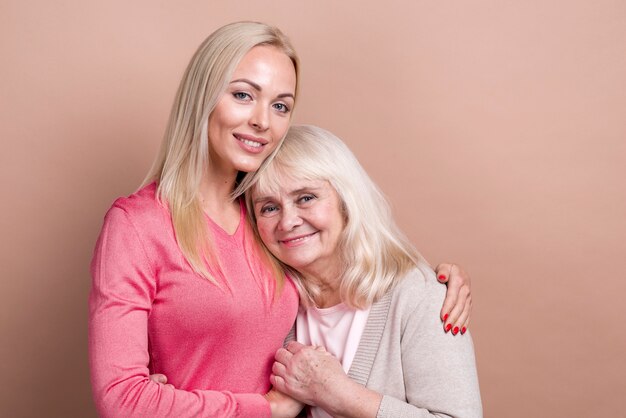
<point>277,183</point>
<point>267,65</point>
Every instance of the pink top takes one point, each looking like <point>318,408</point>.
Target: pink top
<point>338,329</point>
<point>150,313</point>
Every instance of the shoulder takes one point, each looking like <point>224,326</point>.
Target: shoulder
<point>418,287</point>
<point>142,209</point>
<point>138,202</point>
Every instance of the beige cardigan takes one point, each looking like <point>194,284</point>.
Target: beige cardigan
<point>405,355</point>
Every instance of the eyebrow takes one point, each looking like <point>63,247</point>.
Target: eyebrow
<point>291,193</point>
<point>258,88</point>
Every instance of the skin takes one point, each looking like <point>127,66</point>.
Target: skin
<point>250,118</point>
<point>301,225</point>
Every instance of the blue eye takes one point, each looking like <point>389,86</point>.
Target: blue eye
<point>306,198</point>
<point>240,95</point>
<point>281,107</point>
<point>268,209</point>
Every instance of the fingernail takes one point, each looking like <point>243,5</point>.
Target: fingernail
<point>455,330</point>
<point>463,330</point>
<point>445,317</point>
<point>448,327</point>
<point>442,277</point>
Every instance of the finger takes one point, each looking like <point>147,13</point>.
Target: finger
<point>464,319</point>
<point>454,322</point>
<point>169,385</point>
<point>159,378</point>
<point>443,272</point>
<point>278,383</point>
<point>294,346</point>
<point>283,356</point>
<point>451,300</point>
<point>320,348</point>
<point>279,369</point>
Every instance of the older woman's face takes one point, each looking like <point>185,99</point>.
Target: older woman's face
<point>301,225</point>
<point>254,112</point>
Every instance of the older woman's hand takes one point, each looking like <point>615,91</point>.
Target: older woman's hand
<point>457,306</point>
<point>307,373</point>
<point>314,376</point>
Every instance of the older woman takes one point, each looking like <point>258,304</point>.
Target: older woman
<point>369,341</point>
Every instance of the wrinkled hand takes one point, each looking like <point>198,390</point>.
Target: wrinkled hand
<point>308,374</point>
<point>457,306</point>
<point>161,378</point>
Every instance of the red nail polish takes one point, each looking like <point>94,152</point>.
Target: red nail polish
<point>463,330</point>
<point>445,317</point>
<point>448,327</point>
<point>442,277</point>
<point>455,330</point>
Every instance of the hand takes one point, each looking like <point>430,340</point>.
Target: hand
<point>455,313</point>
<point>161,378</point>
<point>306,373</point>
<point>283,406</point>
<point>316,377</point>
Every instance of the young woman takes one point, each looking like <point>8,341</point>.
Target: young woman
<point>180,285</point>
<point>369,343</point>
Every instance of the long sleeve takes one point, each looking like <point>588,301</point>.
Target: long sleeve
<point>404,355</point>
<point>438,370</point>
<point>121,301</point>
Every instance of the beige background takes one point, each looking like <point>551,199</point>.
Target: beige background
<point>497,129</point>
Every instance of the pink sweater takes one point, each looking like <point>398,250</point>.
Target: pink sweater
<point>150,313</point>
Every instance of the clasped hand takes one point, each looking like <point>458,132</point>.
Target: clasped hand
<point>308,373</point>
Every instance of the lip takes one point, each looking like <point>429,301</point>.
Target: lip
<point>244,142</point>
<point>298,240</point>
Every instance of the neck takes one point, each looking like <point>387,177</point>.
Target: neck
<point>215,199</point>
<point>328,285</point>
<point>216,189</point>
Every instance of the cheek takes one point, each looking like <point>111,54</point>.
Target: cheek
<point>225,115</point>
<point>281,126</point>
<point>265,230</point>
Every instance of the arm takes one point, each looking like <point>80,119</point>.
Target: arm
<point>457,306</point>
<point>124,285</point>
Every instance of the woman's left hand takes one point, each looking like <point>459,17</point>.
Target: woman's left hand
<point>457,306</point>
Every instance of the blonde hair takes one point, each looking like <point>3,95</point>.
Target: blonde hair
<point>374,252</point>
<point>183,157</point>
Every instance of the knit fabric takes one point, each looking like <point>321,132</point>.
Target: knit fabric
<point>151,313</point>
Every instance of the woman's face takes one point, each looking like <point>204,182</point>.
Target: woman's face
<point>254,112</point>
<point>301,224</point>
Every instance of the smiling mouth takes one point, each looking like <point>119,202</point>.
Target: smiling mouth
<point>249,142</point>
<point>298,239</point>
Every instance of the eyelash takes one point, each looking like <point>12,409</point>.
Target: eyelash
<point>267,209</point>
<point>240,95</point>
<point>285,107</point>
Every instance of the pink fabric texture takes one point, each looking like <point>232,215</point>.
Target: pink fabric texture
<point>150,313</point>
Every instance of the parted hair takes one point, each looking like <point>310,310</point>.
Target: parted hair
<point>374,253</point>
<point>184,153</point>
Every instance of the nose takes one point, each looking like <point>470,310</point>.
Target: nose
<point>289,218</point>
<point>259,119</point>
